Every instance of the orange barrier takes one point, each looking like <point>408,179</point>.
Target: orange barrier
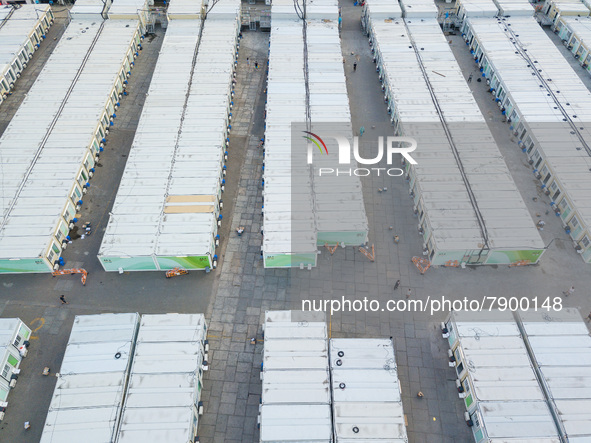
<point>422,264</point>
<point>365,252</point>
<point>176,271</point>
<point>331,249</point>
<point>452,263</point>
<point>520,263</point>
<point>72,271</point>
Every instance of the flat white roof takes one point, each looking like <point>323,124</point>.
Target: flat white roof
<point>296,423</point>
<point>173,176</point>
<point>518,421</point>
<point>367,405</point>
<point>165,379</point>
<point>561,345</point>
<point>442,183</point>
<point>46,142</point>
<point>15,31</point>
<point>88,395</point>
<point>563,151</point>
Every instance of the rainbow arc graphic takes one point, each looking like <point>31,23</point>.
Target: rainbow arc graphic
<point>316,142</point>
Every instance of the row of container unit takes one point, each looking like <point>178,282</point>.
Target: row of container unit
<point>492,8</point>
<point>548,109</point>
<point>52,144</point>
<point>468,207</point>
<point>554,9</point>
<point>321,390</point>
<point>22,30</point>
<point>167,210</point>
<point>307,104</point>
<point>14,345</point>
<point>575,33</point>
<point>129,379</point>
<point>522,378</point>
<point>289,238</point>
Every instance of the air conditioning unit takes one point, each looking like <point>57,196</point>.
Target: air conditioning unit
<point>469,421</point>
<point>13,383</point>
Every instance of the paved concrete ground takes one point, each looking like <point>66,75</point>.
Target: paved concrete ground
<point>243,290</point>
<point>246,290</point>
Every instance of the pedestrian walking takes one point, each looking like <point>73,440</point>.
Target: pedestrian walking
<point>408,293</point>
<point>396,239</point>
<point>63,300</point>
<point>396,284</point>
<point>256,64</point>
<point>240,230</point>
<point>361,130</point>
<point>569,291</point>
<point>355,66</point>
<point>589,317</point>
<point>541,224</point>
<point>470,78</point>
<point>247,61</point>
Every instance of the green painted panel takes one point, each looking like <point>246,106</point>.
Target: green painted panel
<point>12,360</point>
<point>128,264</point>
<point>441,258</point>
<point>197,262</point>
<point>3,393</point>
<point>468,400</point>
<point>289,261</point>
<point>25,265</point>
<point>356,238</point>
<point>508,257</point>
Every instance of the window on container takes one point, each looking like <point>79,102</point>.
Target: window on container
<point>23,56</point>
<point>5,372</point>
<point>585,241</point>
<point>523,133</point>
<point>563,205</point>
<point>17,341</point>
<point>59,234</point>
<point>50,14</point>
<point>5,85</point>
<point>539,161</point>
<point>46,22</point>
<point>39,31</point>
<point>17,65</point>
<point>83,177</point>
<point>76,194</point>
<point>530,147</point>
<point>574,222</point>
<point>36,39</point>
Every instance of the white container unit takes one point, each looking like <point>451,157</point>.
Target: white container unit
<point>289,235</point>
<point>131,10</point>
<point>461,217</point>
<point>162,402</point>
<point>560,8</point>
<point>295,401</point>
<point>14,344</point>
<point>475,8</point>
<point>367,405</point>
<point>548,118</point>
<point>493,8</point>
<point>561,348</point>
<point>419,9</point>
<point>90,9</point>
<point>185,9</point>
<point>21,32</point>
<point>338,201</point>
<point>52,143</point>
<point>166,213</point>
<point>575,33</point>
<point>496,379</point>
<point>88,396</point>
